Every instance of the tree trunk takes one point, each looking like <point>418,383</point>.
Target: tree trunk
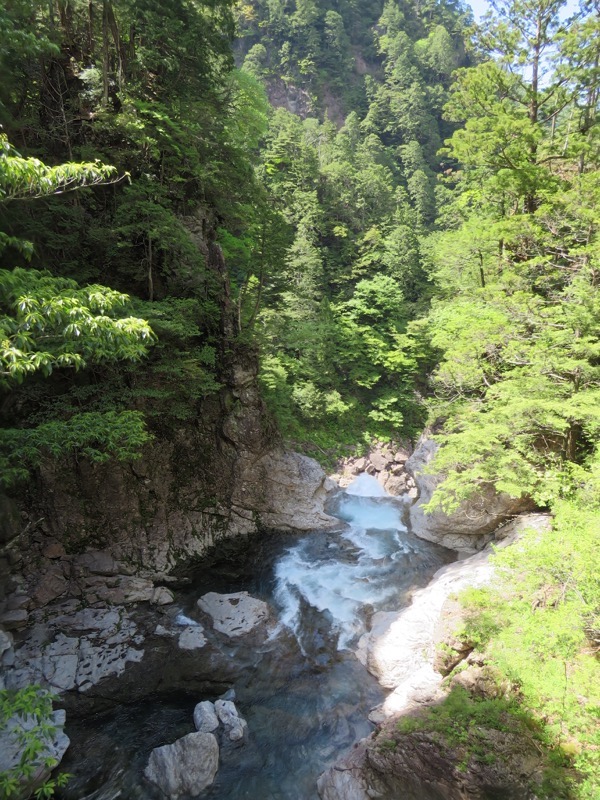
<point>114,29</point>
<point>150,276</point>
<point>105,53</point>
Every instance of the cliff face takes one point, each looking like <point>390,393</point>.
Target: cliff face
<point>110,532</point>
<point>89,529</point>
<point>472,525</point>
<point>90,555</point>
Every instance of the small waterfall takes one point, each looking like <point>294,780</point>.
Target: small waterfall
<point>338,587</point>
<point>366,485</point>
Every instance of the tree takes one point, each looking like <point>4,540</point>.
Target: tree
<point>49,323</point>
<point>27,714</point>
<point>516,107</point>
<point>516,325</point>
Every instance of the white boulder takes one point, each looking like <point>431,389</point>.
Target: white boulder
<point>185,767</point>
<point>234,614</point>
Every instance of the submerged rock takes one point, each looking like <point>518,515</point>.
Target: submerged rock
<point>234,614</point>
<point>235,726</point>
<point>185,767</point>
<point>192,638</point>
<point>470,527</point>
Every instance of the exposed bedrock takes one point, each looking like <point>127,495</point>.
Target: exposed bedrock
<point>384,461</point>
<point>122,654</point>
<point>472,525</point>
<point>113,533</point>
<point>185,767</point>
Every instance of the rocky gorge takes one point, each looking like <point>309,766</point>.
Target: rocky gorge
<point>101,626</point>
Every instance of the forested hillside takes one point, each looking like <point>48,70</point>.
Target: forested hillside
<point>151,92</point>
<point>406,235</point>
<point>357,184</point>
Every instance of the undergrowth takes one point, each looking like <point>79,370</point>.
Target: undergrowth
<point>540,627</point>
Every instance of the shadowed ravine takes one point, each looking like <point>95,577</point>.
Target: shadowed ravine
<point>304,694</point>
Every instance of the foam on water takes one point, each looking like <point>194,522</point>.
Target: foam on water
<point>369,513</point>
<point>181,619</point>
<point>352,577</point>
<point>366,485</point>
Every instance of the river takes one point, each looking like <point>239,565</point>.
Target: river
<point>304,694</point>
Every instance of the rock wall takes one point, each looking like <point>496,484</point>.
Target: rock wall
<point>385,461</point>
<point>113,533</point>
<point>471,526</point>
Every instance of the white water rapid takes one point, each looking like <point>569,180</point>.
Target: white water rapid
<point>356,574</point>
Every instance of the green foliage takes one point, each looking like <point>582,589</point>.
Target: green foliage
<point>92,435</point>
<point>463,723</point>
<point>49,322</point>
<point>153,89</point>
<point>29,712</point>
<point>512,342</point>
<point>516,323</point>
<point>337,231</point>
<point>544,609</point>
<point>459,716</point>
<point>356,201</point>
<point>519,371</point>
<point>30,178</point>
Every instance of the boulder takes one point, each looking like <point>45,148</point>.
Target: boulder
<point>97,562</point>
<point>348,779</point>
<point>12,620</point>
<point>11,749</point>
<point>7,656</point>
<point>395,485</point>
<point>235,726</point>
<point>18,600</point>
<point>379,459</point>
<point>205,717</point>
<point>191,638</point>
<point>185,767</point>
<point>161,596</point>
<point>357,465</point>
<point>51,584</point>
<point>285,491</point>
<point>6,642</point>
<point>383,477</point>
<point>54,550</point>
<point>234,614</point>
<point>470,527</point>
